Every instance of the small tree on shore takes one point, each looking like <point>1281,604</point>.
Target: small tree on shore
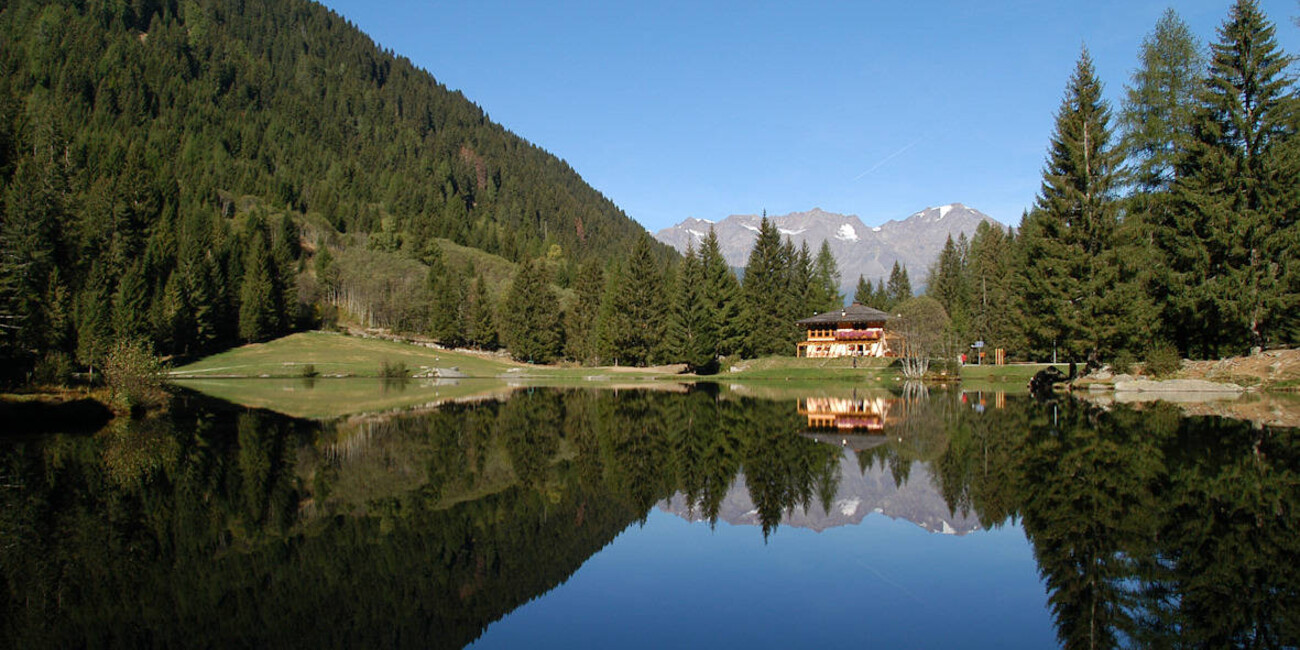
<point>921,324</point>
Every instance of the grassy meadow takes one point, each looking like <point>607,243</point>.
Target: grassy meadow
<point>326,375</point>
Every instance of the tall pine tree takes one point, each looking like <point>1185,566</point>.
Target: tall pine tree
<point>1236,191</point>
<point>722,294</point>
<point>1067,237</point>
<point>766,292</point>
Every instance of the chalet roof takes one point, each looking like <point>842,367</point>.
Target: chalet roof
<point>855,313</point>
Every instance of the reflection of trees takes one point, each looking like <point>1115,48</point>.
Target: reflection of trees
<point>247,528</point>
<point>1150,529</point>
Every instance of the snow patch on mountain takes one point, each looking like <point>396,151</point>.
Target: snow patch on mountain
<point>847,233</point>
<point>944,210</point>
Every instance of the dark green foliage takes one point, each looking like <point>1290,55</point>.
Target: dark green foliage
<point>583,318</point>
<point>722,294</point>
<point>635,309</point>
<point>446,306</point>
<point>143,137</point>
<point>692,332</point>
<point>530,316</point>
<point>1071,279</point>
<point>1236,193</point>
<point>825,292</point>
<point>480,321</point>
<point>897,290</point>
<point>769,303</point>
<point>865,294</point>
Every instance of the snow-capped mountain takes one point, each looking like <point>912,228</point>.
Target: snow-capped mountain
<point>871,252</point>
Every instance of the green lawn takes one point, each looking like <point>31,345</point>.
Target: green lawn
<point>337,354</point>
<point>270,375</point>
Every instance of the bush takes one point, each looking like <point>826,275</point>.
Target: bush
<point>1162,359</point>
<point>1123,363</point>
<point>309,370</point>
<point>54,369</point>
<point>389,370</point>
<point>135,376</point>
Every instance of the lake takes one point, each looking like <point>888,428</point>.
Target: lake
<point>700,516</point>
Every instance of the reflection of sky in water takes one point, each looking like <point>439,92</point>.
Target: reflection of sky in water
<point>884,583</point>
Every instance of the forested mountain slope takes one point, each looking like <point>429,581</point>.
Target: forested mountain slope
<point>130,131</point>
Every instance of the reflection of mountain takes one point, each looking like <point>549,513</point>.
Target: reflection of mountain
<point>859,494</point>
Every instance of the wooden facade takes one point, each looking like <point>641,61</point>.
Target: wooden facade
<point>855,331</point>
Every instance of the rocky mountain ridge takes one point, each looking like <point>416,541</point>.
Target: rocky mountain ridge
<point>870,251</point>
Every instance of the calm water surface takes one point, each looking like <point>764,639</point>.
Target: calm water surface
<point>579,518</point>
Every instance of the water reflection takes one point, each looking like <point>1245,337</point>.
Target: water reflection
<point>242,527</point>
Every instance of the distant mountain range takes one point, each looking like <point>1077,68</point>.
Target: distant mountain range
<point>859,495</point>
<point>914,242</point>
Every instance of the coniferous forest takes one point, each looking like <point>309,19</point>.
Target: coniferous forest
<point>198,174</point>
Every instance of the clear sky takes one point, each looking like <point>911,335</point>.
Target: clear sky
<point>704,109</point>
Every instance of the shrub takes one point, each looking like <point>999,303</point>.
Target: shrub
<point>1162,359</point>
<point>134,376</point>
<point>1123,363</point>
<point>54,369</point>
<point>309,370</point>
<point>390,370</point>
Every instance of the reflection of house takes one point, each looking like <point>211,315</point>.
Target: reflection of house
<point>855,331</point>
<point>842,413</point>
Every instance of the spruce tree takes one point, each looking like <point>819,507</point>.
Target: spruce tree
<point>692,332</point>
<point>633,319</point>
<point>530,316</point>
<point>1236,191</point>
<point>826,294</point>
<point>766,294</point>
<point>723,297</point>
<point>899,288</point>
<point>865,294</point>
<point>1068,238</point>
<point>581,342</point>
<point>480,321</point>
<point>447,298</point>
<point>257,317</point>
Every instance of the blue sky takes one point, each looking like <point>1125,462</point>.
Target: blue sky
<point>705,109</point>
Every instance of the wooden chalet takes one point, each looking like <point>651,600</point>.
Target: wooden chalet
<point>855,331</point>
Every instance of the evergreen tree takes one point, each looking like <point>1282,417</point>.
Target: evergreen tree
<point>481,329</point>
<point>899,288</point>
<point>1156,115</point>
<point>692,333</point>
<point>447,296</point>
<point>130,306</point>
<point>989,274</point>
<point>33,208</point>
<point>805,295</point>
<point>1236,191</point>
<point>581,342</point>
<point>826,286</point>
<point>722,296</point>
<point>1068,238</point>
<point>766,293</point>
<point>633,315</point>
<point>257,317</point>
<point>865,294</point>
<point>530,316</point>
<point>94,318</point>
